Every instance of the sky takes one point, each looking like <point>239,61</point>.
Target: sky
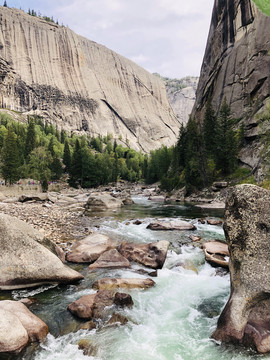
<point>163,36</point>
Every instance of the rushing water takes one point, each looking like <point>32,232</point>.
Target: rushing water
<point>171,321</point>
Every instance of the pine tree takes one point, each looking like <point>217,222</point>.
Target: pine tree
<point>67,157</point>
<point>226,153</point>
<point>5,4</point>
<point>209,129</point>
<point>76,166</point>
<point>10,158</point>
<point>30,142</point>
<point>56,168</point>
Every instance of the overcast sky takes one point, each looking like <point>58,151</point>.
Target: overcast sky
<point>164,36</point>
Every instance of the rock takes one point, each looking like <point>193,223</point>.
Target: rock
<point>92,306</point>
<point>2,196</point>
<point>215,252</point>
<point>25,259</point>
<point>137,222</point>
<point>202,221</point>
<point>102,201</point>
<point>18,326</point>
<point>152,255</point>
<point>128,201</point>
<point>110,259</point>
<point>220,184</point>
<point>90,248</point>
<point>35,197</point>
<point>122,299</point>
<point>117,319</point>
<point>114,283</point>
<point>212,205</point>
<point>171,225</point>
<point>227,72</point>
<point>101,93</point>
<point>195,238</point>
<point>247,227</point>
<point>28,301</point>
<point>89,325</point>
<point>214,222</point>
<point>87,347</point>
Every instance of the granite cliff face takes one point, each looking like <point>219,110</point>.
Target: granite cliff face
<point>181,95</point>
<point>47,69</point>
<point>236,67</point>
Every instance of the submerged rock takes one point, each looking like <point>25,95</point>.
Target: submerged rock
<point>89,249</point>
<point>26,259</point>
<point>110,259</point>
<point>171,225</point>
<point>246,316</point>
<point>117,283</point>
<point>18,327</point>
<point>152,255</point>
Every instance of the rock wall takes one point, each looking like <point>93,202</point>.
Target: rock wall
<point>48,70</point>
<point>181,95</point>
<point>236,66</point>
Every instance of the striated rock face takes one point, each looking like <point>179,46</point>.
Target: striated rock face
<point>80,85</point>
<point>181,95</point>
<point>246,316</point>
<point>236,66</point>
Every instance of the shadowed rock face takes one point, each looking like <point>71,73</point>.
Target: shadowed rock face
<point>246,316</point>
<point>80,85</point>
<point>236,66</point>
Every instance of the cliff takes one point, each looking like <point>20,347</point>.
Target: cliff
<point>181,94</point>
<point>236,67</point>
<point>79,85</point>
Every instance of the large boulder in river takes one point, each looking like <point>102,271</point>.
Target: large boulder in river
<point>26,259</point>
<point>110,259</point>
<point>102,201</point>
<point>216,252</point>
<point>18,327</point>
<point>171,225</point>
<point>152,255</point>
<point>246,316</point>
<point>89,249</point>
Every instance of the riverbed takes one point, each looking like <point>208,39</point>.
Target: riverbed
<point>171,321</point>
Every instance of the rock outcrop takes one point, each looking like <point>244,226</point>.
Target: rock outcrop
<point>79,85</point>
<point>18,327</point>
<point>236,67</point>
<point>26,259</point>
<point>102,201</point>
<point>246,316</point>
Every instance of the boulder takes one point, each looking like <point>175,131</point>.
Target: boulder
<point>214,222</point>
<point>137,222</point>
<point>152,255</point>
<point>117,319</point>
<point>102,201</point>
<point>171,225</point>
<point>128,201</point>
<point>117,283</point>
<point>215,252</point>
<point>246,316</point>
<point>89,249</point>
<point>123,299</point>
<point>26,259</point>
<point>35,197</point>
<point>18,327</point>
<point>110,259</point>
<point>157,198</point>
<point>92,306</point>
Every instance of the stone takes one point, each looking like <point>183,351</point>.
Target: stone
<point>128,201</point>
<point>152,255</point>
<point>120,283</point>
<point>93,306</point>
<point>215,253</point>
<point>101,93</point>
<point>171,225</point>
<point>18,327</point>
<point>157,198</point>
<point>137,222</point>
<point>117,319</point>
<point>214,222</point>
<point>26,259</point>
<point>220,184</point>
<point>195,238</point>
<point>102,201</point>
<point>90,248</point>
<point>236,67</point>
<point>87,347</point>
<point>110,259</point>
<point>247,228</point>
<point>123,299</point>
<point>35,197</point>
<point>89,325</point>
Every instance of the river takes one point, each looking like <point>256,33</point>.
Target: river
<point>171,321</point>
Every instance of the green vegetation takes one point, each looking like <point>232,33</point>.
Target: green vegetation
<point>263,5</point>
<point>39,151</point>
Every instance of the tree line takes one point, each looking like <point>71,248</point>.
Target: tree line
<point>38,150</point>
